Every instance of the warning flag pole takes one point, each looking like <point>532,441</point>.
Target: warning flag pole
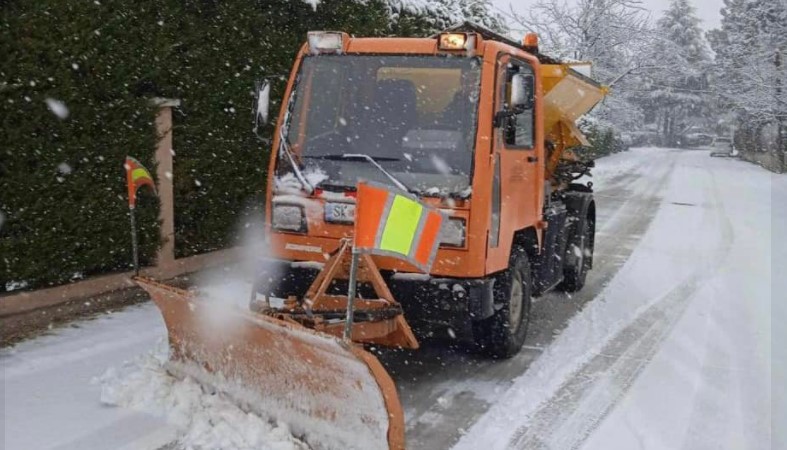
<point>134,246</point>
<point>393,224</point>
<point>136,176</point>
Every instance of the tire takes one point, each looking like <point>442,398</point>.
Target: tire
<point>576,268</point>
<point>502,335</point>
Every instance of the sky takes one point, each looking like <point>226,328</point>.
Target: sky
<point>707,10</point>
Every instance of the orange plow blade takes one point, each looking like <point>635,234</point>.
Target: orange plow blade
<point>333,394</point>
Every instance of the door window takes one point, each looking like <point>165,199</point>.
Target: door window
<point>518,129</point>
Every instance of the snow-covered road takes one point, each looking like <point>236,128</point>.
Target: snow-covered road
<point>50,399</point>
<point>676,351</point>
<point>668,346</point>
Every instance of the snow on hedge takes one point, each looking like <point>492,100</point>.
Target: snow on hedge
<point>443,13</point>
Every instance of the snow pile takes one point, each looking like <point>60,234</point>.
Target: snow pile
<point>206,420</point>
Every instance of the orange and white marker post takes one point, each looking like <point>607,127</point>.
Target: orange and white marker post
<point>395,224</point>
<point>136,176</point>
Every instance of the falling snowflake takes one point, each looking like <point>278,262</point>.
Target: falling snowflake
<point>57,107</point>
<point>64,168</point>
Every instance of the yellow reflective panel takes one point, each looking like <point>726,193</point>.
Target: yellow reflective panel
<point>401,225</point>
<point>138,173</point>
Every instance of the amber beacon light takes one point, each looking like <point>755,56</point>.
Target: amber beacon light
<point>530,42</point>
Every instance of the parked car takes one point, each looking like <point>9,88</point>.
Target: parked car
<point>698,139</point>
<point>723,147</point>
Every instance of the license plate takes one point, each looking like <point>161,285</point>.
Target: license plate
<point>340,212</point>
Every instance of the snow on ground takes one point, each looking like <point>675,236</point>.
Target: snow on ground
<point>49,401</point>
<point>709,384</point>
<point>614,166</point>
<point>779,313</point>
<point>676,351</point>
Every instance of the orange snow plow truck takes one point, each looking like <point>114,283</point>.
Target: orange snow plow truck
<point>467,123</point>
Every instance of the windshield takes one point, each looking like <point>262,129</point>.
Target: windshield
<point>414,115</point>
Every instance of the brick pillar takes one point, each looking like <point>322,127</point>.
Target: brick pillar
<point>166,254</point>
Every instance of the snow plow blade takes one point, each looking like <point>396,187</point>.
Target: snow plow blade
<point>331,393</point>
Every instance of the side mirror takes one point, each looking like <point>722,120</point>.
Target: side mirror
<point>261,106</point>
<point>522,91</point>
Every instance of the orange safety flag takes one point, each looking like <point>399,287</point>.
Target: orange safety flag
<point>396,224</point>
<point>137,176</point>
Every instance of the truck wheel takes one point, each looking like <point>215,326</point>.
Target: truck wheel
<point>502,335</point>
<point>576,269</point>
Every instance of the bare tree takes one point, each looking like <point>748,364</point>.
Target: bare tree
<point>611,34</point>
<point>605,32</point>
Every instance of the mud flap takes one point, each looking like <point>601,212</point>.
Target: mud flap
<point>333,394</point>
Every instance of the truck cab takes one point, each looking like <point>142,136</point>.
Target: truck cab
<point>473,124</point>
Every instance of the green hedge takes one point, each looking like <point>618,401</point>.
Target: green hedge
<point>62,189</point>
<point>62,182</point>
<point>220,166</point>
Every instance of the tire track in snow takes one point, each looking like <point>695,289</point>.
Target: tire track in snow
<point>586,398</point>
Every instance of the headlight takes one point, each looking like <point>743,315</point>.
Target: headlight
<point>288,218</point>
<point>453,232</point>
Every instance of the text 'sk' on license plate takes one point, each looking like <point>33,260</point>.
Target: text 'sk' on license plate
<point>340,212</point>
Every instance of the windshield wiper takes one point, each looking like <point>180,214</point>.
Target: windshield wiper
<point>345,156</point>
<point>363,156</point>
<point>284,145</point>
<point>294,164</point>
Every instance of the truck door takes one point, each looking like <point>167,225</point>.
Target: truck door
<point>518,181</point>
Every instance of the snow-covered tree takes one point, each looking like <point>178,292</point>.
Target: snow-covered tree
<point>611,34</point>
<point>601,31</point>
<point>436,15</point>
<point>750,72</point>
<point>677,85</point>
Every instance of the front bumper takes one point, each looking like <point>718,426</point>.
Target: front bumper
<point>428,302</point>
